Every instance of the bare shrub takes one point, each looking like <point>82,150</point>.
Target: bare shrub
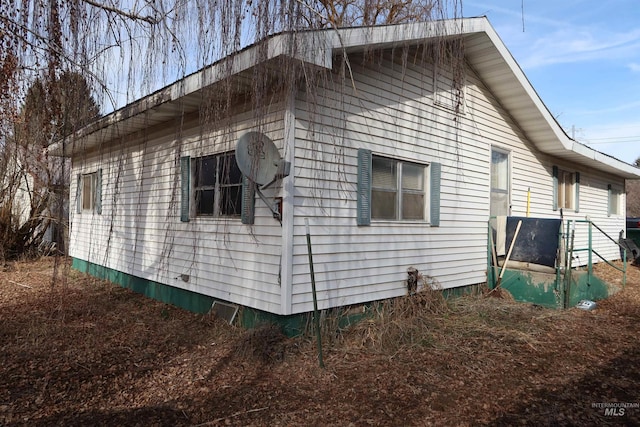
<point>265,343</point>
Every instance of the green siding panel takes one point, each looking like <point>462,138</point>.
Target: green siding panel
<point>192,301</point>
<point>188,300</point>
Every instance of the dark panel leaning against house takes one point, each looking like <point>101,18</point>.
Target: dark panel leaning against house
<point>537,241</point>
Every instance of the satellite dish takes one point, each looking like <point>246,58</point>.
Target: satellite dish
<point>259,160</point>
<point>258,157</point>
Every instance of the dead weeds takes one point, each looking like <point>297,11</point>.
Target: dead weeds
<point>79,351</point>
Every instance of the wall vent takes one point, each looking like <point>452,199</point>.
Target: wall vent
<point>224,311</point>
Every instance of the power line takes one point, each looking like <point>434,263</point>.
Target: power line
<point>612,140</point>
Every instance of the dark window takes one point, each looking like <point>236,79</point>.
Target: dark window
<point>217,185</point>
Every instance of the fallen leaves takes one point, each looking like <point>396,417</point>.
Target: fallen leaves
<point>90,353</point>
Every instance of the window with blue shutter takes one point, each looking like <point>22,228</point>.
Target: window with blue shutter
<point>395,190</point>
<point>364,187</point>
<point>566,187</point>
<point>213,186</point>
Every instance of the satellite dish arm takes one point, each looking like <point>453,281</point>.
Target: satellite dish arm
<point>271,207</point>
<point>284,168</point>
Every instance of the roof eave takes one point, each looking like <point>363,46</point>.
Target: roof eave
<point>507,81</point>
<point>485,51</point>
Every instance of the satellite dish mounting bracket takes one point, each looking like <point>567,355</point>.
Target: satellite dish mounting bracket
<point>259,160</point>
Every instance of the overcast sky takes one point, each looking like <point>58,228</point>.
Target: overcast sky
<point>583,59</point>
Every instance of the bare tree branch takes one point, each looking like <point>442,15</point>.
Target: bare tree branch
<point>148,19</point>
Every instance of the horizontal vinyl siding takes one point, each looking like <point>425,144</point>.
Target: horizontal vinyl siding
<point>357,264</point>
<point>531,171</point>
<point>391,112</point>
<point>140,233</point>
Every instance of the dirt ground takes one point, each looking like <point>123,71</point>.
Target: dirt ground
<point>78,351</point>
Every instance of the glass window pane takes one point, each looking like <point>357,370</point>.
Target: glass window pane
<point>204,202</point>
<point>499,170</point>
<point>87,192</point>
<point>412,177</point>
<point>231,200</point>
<point>383,204</point>
<point>412,205</point>
<point>567,196</point>
<point>499,203</point>
<point>615,202</point>
<point>229,171</point>
<point>384,173</point>
<point>206,172</point>
<point>565,190</point>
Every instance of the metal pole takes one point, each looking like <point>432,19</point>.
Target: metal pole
<point>567,272</point>
<point>590,258</point>
<point>316,317</point>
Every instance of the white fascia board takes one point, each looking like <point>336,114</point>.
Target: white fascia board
<point>556,141</point>
<point>403,34</point>
<point>626,170</point>
<point>562,139</point>
<point>307,47</point>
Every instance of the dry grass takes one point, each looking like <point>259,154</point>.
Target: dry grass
<point>80,351</point>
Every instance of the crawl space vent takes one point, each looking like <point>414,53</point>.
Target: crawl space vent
<point>224,311</point>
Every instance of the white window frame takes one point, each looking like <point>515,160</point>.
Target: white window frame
<point>399,191</point>
<point>566,186</point>
<point>445,95</point>
<point>218,187</point>
<point>88,200</point>
<point>614,201</point>
<point>496,190</point>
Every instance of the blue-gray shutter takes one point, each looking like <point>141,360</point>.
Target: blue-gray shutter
<point>185,187</point>
<point>609,204</point>
<point>364,187</point>
<point>98,193</point>
<point>79,195</point>
<point>577,192</point>
<point>435,170</point>
<point>247,212</point>
<point>555,188</point>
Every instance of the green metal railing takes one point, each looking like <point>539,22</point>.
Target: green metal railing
<point>564,268</point>
<point>591,251</point>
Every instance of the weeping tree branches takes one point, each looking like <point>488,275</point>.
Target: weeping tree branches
<point>34,185</point>
<point>132,47</point>
<point>129,15</point>
<point>120,50</point>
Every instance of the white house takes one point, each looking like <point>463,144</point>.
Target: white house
<point>396,161</point>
